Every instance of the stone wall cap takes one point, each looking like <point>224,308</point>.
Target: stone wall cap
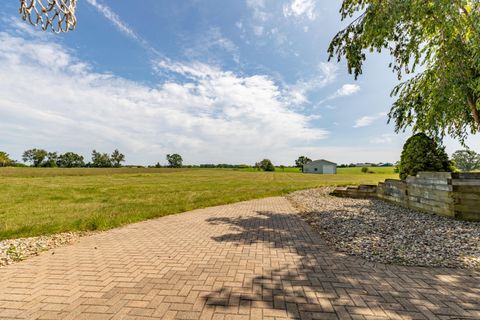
<point>466,175</point>
<point>434,175</point>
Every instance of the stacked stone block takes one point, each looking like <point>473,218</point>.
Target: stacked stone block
<point>454,195</point>
<point>466,196</point>
<point>431,192</point>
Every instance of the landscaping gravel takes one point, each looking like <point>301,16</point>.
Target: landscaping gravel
<point>19,249</point>
<point>382,232</point>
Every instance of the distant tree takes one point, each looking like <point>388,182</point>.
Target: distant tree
<point>100,160</point>
<point>422,153</point>
<point>266,165</point>
<point>51,161</point>
<point>301,161</point>
<point>466,160</point>
<point>5,160</point>
<point>35,156</point>
<point>364,169</point>
<point>282,167</point>
<point>174,160</point>
<point>70,160</point>
<point>117,158</point>
<point>158,165</point>
<point>396,168</point>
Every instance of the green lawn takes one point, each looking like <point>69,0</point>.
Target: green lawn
<point>358,170</point>
<point>44,201</point>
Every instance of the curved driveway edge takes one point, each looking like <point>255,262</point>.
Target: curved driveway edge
<point>250,260</point>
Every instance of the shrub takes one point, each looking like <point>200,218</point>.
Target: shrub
<point>364,170</point>
<point>422,153</point>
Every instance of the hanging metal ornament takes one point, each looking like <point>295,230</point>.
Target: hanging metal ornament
<point>57,15</point>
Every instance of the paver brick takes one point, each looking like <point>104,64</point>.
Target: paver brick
<point>250,260</point>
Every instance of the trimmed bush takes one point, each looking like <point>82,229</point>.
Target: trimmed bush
<point>422,153</point>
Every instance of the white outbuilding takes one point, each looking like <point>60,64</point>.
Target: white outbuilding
<point>320,167</point>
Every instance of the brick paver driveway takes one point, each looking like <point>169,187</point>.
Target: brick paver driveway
<point>251,260</point>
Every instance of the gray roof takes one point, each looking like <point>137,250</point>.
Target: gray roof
<point>322,161</point>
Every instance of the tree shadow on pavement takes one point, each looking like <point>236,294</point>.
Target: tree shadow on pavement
<point>290,272</point>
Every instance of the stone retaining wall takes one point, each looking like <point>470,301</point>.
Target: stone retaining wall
<point>392,190</point>
<point>455,195</point>
<point>431,192</point>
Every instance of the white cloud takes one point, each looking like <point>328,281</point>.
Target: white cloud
<point>114,19</point>
<point>121,26</point>
<point>382,139</point>
<point>259,11</point>
<point>299,91</point>
<point>213,39</point>
<point>300,8</point>
<point>366,121</point>
<point>346,90</point>
<point>258,30</point>
<point>212,115</point>
<point>329,71</point>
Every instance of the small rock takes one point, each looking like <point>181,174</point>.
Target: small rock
<point>14,250</point>
<point>382,232</point>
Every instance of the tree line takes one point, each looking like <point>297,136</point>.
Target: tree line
<point>43,158</point>
<point>420,153</point>
<point>176,161</point>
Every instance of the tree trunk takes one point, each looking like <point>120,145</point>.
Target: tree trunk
<point>475,112</point>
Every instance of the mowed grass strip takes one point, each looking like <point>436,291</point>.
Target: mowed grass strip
<point>45,201</point>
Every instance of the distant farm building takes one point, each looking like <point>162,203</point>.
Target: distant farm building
<point>364,164</point>
<point>320,167</point>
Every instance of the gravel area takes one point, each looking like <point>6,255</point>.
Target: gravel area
<point>382,232</point>
<point>15,250</point>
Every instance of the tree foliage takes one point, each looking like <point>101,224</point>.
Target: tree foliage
<point>466,160</point>
<point>117,158</point>
<point>174,160</point>
<point>266,165</point>
<point>35,156</point>
<point>51,160</point>
<point>5,160</point>
<point>441,37</point>
<point>43,158</point>
<point>101,160</point>
<point>70,160</point>
<point>422,153</point>
<point>301,161</point>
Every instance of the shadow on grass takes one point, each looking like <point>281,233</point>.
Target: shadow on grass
<point>294,274</point>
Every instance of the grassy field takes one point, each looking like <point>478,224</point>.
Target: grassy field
<point>44,201</point>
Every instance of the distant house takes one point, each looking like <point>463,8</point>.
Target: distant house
<point>364,164</point>
<point>320,167</point>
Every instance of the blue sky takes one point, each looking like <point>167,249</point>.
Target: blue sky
<point>216,81</point>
